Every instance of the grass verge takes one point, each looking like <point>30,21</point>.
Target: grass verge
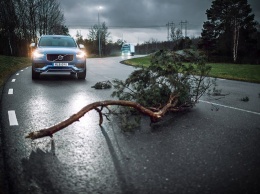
<point>138,62</point>
<point>241,72</point>
<point>9,65</point>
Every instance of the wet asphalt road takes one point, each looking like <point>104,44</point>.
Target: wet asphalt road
<point>210,149</point>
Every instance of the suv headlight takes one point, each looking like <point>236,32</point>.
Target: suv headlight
<point>81,55</point>
<point>37,54</point>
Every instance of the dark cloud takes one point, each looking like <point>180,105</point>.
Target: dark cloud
<point>134,13</point>
<point>151,14</point>
<point>139,13</point>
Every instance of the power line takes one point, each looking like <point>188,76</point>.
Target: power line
<point>168,29</point>
<point>185,23</point>
<point>171,24</point>
<point>114,27</point>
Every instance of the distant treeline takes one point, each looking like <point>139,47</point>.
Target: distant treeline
<point>230,33</point>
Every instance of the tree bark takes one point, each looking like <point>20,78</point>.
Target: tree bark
<point>235,39</point>
<point>98,106</point>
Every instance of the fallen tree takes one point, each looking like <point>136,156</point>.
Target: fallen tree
<point>167,85</point>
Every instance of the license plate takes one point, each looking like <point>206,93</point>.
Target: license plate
<point>60,64</point>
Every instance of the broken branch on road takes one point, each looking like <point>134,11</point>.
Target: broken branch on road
<point>98,106</point>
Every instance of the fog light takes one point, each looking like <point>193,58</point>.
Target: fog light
<point>39,65</point>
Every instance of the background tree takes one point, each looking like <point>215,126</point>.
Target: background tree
<point>231,24</point>
<point>208,38</point>
<point>94,37</point>
<point>8,25</point>
<point>50,16</point>
<point>120,42</point>
<point>21,21</point>
<point>79,38</point>
<point>61,29</point>
<point>175,37</point>
<point>114,48</point>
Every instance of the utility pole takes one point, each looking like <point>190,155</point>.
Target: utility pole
<point>185,23</point>
<point>99,51</point>
<point>168,30</point>
<point>99,42</point>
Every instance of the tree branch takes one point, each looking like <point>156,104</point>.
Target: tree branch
<point>100,115</point>
<point>154,116</point>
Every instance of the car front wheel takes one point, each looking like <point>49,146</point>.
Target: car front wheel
<point>82,75</point>
<point>35,75</point>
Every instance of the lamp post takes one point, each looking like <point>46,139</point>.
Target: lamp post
<point>99,43</point>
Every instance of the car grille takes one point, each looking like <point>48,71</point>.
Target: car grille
<point>59,57</point>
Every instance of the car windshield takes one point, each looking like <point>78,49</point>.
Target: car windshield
<point>57,42</point>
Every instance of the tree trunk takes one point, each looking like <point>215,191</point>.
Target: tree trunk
<point>10,45</point>
<point>235,40</point>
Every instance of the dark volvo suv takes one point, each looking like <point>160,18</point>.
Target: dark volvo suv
<point>58,53</point>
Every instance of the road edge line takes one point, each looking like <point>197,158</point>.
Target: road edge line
<point>230,107</point>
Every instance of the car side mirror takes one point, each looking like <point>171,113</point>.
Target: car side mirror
<point>81,46</point>
<point>32,45</point>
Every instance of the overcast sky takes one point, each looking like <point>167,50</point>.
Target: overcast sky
<point>139,20</point>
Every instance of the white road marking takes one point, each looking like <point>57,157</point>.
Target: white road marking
<point>12,118</point>
<point>11,91</point>
<point>13,80</point>
<point>230,107</point>
<point>17,74</point>
<point>21,70</point>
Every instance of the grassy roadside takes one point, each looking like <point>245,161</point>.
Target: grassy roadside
<point>9,65</point>
<point>138,62</point>
<point>241,72</point>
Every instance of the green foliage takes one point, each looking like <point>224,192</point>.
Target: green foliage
<point>245,99</point>
<point>230,31</point>
<point>166,76</point>
<point>129,119</point>
<point>102,85</point>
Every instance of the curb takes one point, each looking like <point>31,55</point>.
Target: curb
<point>3,178</point>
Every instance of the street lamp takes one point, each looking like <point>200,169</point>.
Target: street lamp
<point>99,45</point>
